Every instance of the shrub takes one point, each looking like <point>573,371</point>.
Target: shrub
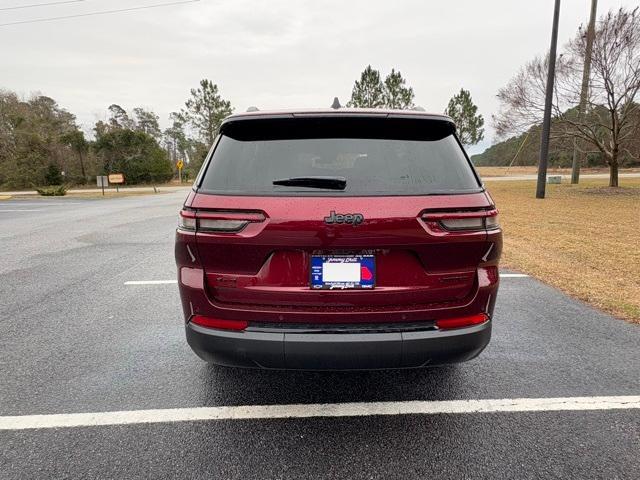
<point>52,191</point>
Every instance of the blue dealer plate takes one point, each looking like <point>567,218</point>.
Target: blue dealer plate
<point>343,271</point>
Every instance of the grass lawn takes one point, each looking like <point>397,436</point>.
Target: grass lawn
<point>532,170</point>
<point>584,240</point>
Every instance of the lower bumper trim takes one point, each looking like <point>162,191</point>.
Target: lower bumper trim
<point>337,351</point>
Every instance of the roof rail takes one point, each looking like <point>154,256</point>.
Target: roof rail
<point>253,109</point>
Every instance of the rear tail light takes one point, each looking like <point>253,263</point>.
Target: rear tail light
<point>462,223</point>
<point>222,221</point>
<point>491,222</point>
<point>219,323</point>
<point>460,322</point>
<point>205,224</point>
<point>470,220</point>
<point>187,220</point>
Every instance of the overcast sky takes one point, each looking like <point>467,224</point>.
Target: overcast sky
<point>273,54</point>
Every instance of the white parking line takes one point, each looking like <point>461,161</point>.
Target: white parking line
<point>248,412</point>
<point>150,282</point>
<point>20,210</point>
<point>22,203</point>
<point>513,275</point>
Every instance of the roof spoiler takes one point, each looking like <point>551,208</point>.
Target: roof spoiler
<point>341,124</point>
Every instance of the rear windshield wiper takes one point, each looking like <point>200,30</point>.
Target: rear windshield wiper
<point>333,183</point>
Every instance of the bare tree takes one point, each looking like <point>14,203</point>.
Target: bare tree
<point>522,99</point>
<point>612,112</point>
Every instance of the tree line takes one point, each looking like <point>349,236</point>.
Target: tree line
<point>42,144</point>
<point>371,91</point>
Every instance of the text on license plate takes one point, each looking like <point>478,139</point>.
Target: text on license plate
<point>342,271</point>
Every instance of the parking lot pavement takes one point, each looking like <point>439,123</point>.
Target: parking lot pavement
<point>78,336</point>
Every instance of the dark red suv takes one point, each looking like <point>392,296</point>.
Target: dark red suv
<point>338,239</point>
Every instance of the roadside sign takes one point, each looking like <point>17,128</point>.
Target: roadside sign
<point>180,164</point>
<point>102,181</point>
<point>116,178</point>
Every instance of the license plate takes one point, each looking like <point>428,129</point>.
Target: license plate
<point>343,271</point>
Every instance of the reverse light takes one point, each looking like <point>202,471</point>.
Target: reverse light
<point>219,323</point>
<point>491,222</point>
<point>187,220</point>
<point>460,322</point>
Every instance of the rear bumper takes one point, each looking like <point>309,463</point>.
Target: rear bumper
<point>337,351</point>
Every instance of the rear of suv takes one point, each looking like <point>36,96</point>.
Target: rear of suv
<point>338,239</point>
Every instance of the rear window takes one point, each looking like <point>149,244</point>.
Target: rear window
<point>374,156</point>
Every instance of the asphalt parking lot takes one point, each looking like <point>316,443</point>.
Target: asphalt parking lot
<point>83,332</point>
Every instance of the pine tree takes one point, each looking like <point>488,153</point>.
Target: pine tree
<point>464,113</point>
<point>396,94</point>
<point>368,92</point>
<point>205,110</point>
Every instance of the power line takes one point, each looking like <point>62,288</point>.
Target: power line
<point>17,7</point>
<point>90,14</point>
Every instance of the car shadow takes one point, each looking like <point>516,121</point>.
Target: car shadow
<point>233,386</point>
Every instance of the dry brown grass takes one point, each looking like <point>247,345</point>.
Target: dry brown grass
<point>532,170</point>
<point>582,239</point>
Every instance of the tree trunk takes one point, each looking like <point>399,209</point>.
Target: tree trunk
<point>84,176</point>
<point>613,173</point>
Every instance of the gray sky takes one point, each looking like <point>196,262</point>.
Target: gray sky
<point>276,53</point>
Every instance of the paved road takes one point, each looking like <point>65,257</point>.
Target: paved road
<point>162,188</point>
<point>76,339</point>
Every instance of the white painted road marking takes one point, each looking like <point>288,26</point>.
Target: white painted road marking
<point>162,282</point>
<point>256,412</point>
<point>150,282</point>
<point>19,210</point>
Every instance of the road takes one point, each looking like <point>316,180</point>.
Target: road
<point>76,338</point>
<point>148,189</point>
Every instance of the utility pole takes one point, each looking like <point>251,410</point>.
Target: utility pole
<point>546,122</point>
<point>584,91</point>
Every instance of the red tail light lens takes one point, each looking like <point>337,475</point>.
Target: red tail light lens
<point>460,322</point>
<point>221,221</point>
<point>219,323</point>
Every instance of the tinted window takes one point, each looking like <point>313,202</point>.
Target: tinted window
<point>371,166</point>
